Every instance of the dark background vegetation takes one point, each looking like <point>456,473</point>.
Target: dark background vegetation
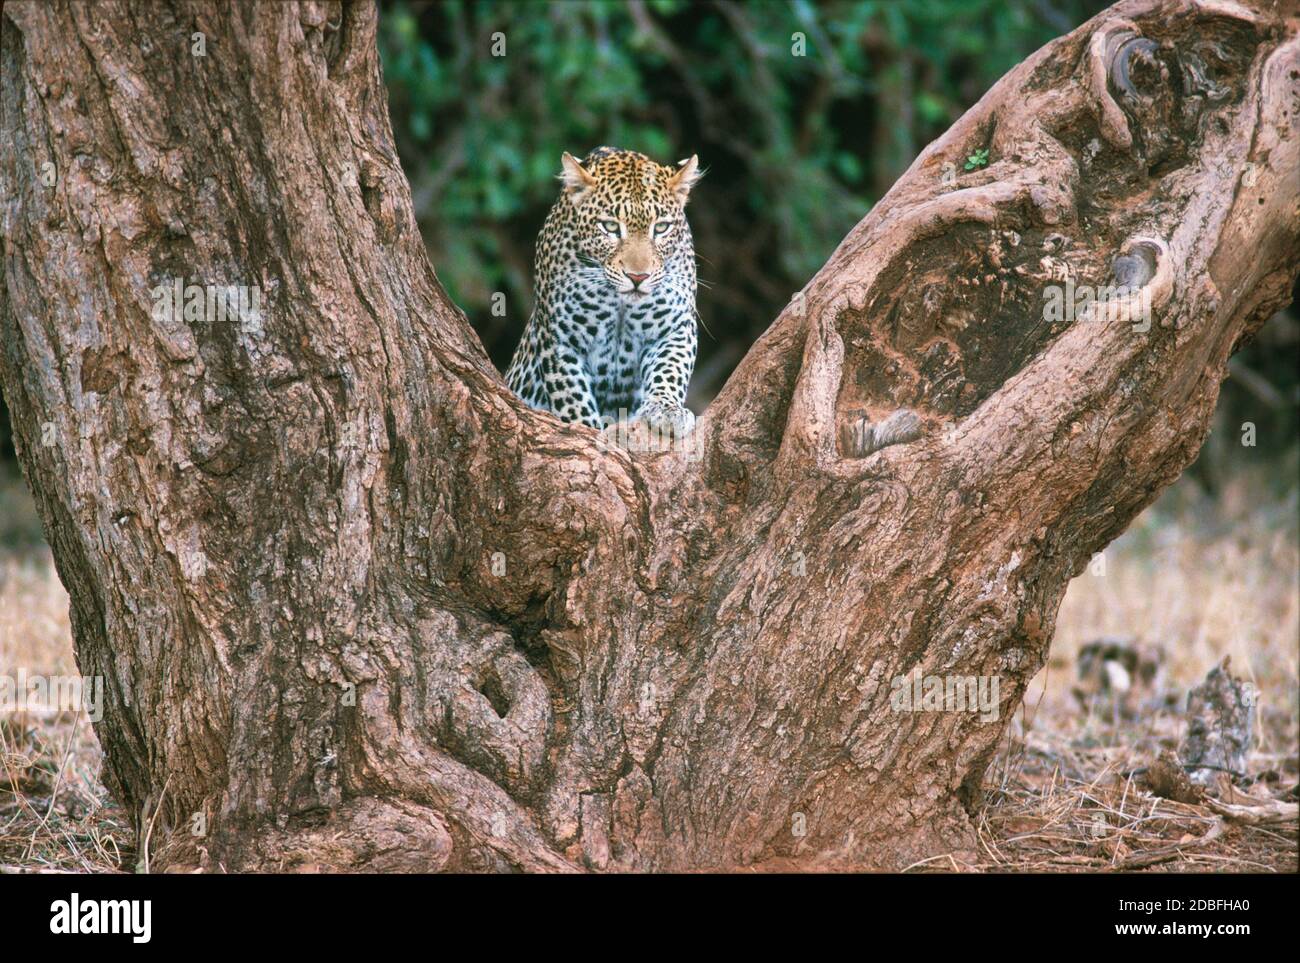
<point>797,148</point>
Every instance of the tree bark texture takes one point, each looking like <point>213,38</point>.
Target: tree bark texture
<point>357,608</point>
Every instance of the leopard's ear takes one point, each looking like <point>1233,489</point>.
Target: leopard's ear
<point>688,172</point>
<point>575,178</point>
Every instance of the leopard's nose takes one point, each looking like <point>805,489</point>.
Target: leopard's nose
<point>635,278</point>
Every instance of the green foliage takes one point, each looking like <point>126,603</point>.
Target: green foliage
<point>803,113</point>
<point>20,528</point>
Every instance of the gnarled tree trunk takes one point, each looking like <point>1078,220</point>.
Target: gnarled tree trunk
<point>360,608</point>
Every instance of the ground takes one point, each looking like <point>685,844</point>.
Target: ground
<point>1196,577</point>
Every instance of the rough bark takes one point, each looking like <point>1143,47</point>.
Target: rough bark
<point>284,533</point>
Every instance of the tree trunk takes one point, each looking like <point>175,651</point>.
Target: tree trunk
<point>356,607</point>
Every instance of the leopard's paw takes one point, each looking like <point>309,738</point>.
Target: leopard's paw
<point>613,435</point>
<point>665,420</point>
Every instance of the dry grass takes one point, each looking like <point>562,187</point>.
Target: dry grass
<point>55,815</point>
<point>1059,811</point>
<point>1202,579</point>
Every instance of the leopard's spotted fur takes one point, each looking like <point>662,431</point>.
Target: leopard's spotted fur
<point>613,331</point>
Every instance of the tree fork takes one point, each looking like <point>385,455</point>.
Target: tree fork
<point>359,608</point>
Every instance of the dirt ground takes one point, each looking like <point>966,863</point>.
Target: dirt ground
<point>1194,581</point>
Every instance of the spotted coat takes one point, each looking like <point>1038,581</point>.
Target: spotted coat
<point>613,331</point>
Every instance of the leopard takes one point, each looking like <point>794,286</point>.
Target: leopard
<point>612,337</point>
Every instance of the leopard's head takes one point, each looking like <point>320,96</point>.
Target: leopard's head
<point>630,215</point>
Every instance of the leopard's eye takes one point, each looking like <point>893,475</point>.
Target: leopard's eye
<point>609,227</point>
<point>662,228</point>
